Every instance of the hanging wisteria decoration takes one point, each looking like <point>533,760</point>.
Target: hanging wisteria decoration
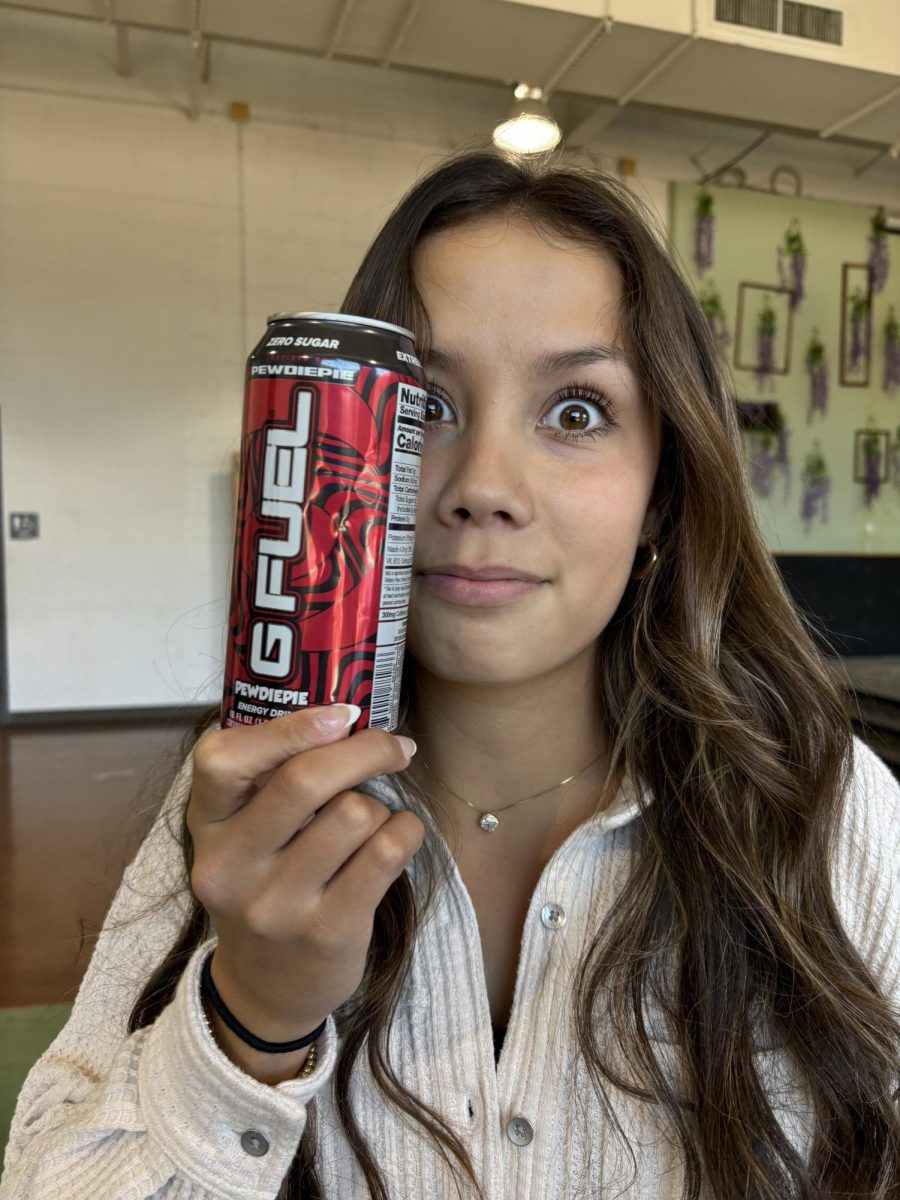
<point>714,311</point>
<point>767,450</point>
<point>872,455</point>
<point>766,326</point>
<point>879,264</point>
<point>792,272</point>
<point>704,231</point>
<point>817,370</point>
<point>761,460</point>
<point>816,488</point>
<point>891,352</point>
<point>781,454</point>
<point>859,327</point>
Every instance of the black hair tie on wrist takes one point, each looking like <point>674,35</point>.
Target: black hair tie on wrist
<point>208,988</point>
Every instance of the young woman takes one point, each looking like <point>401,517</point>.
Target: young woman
<point>627,922</point>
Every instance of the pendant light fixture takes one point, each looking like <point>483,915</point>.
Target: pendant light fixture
<point>530,127</point>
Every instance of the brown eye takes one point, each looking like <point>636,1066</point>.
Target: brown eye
<point>434,401</point>
<point>575,418</point>
<point>575,408</point>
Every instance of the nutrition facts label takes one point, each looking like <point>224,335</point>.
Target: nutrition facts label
<point>398,556</point>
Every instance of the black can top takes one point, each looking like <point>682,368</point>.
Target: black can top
<point>341,319</point>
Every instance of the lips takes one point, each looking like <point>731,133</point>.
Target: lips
<point>483,574</point>
<point>478,593</point>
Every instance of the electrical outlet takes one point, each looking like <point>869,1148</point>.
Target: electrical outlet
<point>24,525</point>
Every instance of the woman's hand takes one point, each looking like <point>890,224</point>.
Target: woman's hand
<point>291,864</point>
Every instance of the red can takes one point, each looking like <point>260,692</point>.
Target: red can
<point>330,454</point>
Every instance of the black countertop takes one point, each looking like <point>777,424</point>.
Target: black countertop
<point>874,683</point>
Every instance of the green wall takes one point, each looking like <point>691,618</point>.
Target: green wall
<point>749,226</point>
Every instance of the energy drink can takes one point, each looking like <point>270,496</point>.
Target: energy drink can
<point>326,509</point>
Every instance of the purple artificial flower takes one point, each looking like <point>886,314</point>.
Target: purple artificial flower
<point>816,487</point>
<point>818,389</point>
<point>768,450</point>
<point>765,345</point>
<point>879,264</point>
<point>794,250</point>
<point>817,370</point>
<point>859,327</point>
<point>704,231</point>
<point>762,464</point>
<point>891,352</point>
<point>714,311</point>
<point>873,467</point>
<point>781,457</point>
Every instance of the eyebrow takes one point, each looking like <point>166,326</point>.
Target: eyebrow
<point>545,364</point>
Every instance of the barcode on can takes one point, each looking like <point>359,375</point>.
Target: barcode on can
<point>386,686</point>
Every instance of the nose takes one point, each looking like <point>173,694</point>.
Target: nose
<point>481,475</point>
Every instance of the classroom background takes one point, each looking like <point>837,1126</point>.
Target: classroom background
<point>172,172</point>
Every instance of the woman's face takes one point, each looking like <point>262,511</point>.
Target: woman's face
<point>504,479</point>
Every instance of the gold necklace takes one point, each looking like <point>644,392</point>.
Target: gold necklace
<point>489,821</point>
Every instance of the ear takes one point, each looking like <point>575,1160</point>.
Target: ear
<point>648,527</point>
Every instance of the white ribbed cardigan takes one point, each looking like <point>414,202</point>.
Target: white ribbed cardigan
<point>105,1115</point>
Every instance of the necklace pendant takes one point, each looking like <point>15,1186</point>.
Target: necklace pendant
<point>489,822</point>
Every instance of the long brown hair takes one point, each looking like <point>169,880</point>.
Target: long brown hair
<point>718,699</point>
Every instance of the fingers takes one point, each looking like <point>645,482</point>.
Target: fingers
<point>306,784</point>
<point>227,762</point>
<point>355,891</point>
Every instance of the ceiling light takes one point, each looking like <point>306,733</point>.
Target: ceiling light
<point>530,127</point>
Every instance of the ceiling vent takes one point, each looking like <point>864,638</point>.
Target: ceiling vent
<point>784,16</point>
<point>810,21</point>
<point>758,14</point>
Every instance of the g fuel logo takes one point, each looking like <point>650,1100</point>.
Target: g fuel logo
<point>283,493</point>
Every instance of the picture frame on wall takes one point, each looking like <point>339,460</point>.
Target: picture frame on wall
<point>751,301</point>
<point>856,324</point>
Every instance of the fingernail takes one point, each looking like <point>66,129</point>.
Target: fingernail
<point>409,746</point>
<point>338,716</point>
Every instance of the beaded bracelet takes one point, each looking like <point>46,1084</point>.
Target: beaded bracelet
<point>309,1062</point>
<point>209,991</point>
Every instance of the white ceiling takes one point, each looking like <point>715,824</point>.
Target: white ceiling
<point>502,43</point>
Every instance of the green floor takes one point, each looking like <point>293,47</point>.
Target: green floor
<point>25,1033</point>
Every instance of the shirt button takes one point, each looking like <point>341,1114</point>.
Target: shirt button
<point>254,1143</point>
<point>553,916</point>
<point>519,1131</point>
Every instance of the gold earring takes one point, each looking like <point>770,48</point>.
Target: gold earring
<point>648,567</point>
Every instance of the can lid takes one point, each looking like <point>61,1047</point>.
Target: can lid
<point>341,319</point>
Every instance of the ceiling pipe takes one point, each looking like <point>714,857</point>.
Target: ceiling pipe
<point>604,118</point>
<point>124,63</point>
<point>403,28</point>
<point>863,111</point>
<point>664,63</point>
<point>343,17</point>
<point>712,176</point>
<point>601,28</point>
<point>590,127</point>
<point>199,67</point>
<point>870,162</point>
<point>657,69</point>
<point>197,25</point>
